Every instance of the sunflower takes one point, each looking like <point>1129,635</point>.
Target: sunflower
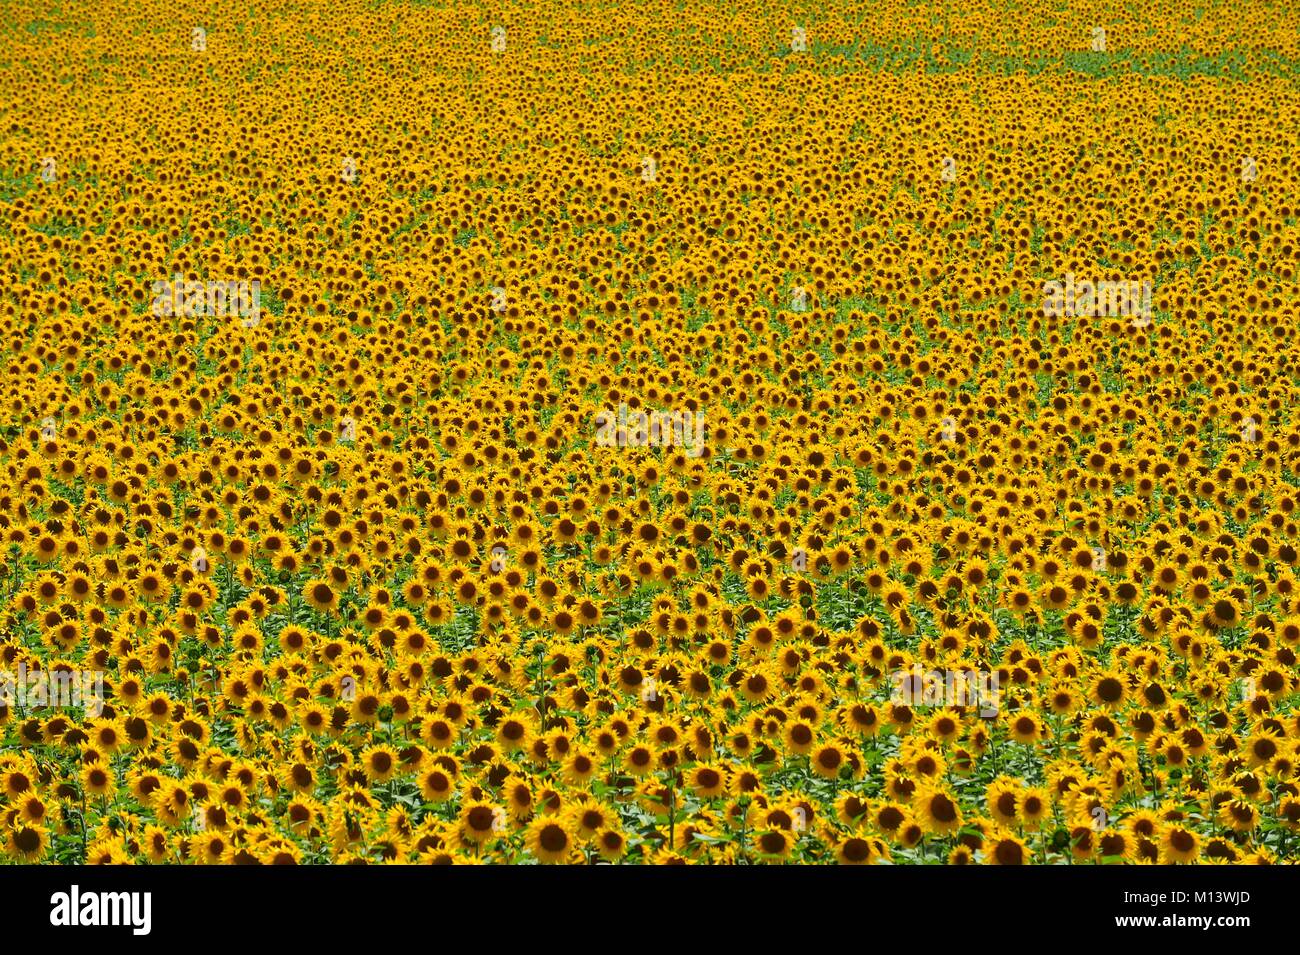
<point>708,781</point>
<point>1035,808</point>
<point>1178,843</point>
<point>640,759</point>
<point>854,850</point>
<point>320,595</point>
<point>1026,727</point>
<point>514,733</point>
<point>1005,849</point>
<point>98,780</point>
<point>549,839</point>
<point>773,845</point>
<point>479,822</point>
<point>588,817</point>
<point>1113,847</point>
<point>799,737</point>
<point>944,725</point>
<point>1240,815</point>
<point>862,719</point>
<point>829,760</point>
<point>1108,689</point>
<point>611,844</point>
<point>1261,748</point>
<point>937,811</point>
<point>380,763</point>
<point>27,841</point>
<point>755,686</point>
<point>579,767</point>
<point>474,507</point>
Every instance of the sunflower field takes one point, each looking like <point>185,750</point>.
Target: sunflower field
<point>649,432</point>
